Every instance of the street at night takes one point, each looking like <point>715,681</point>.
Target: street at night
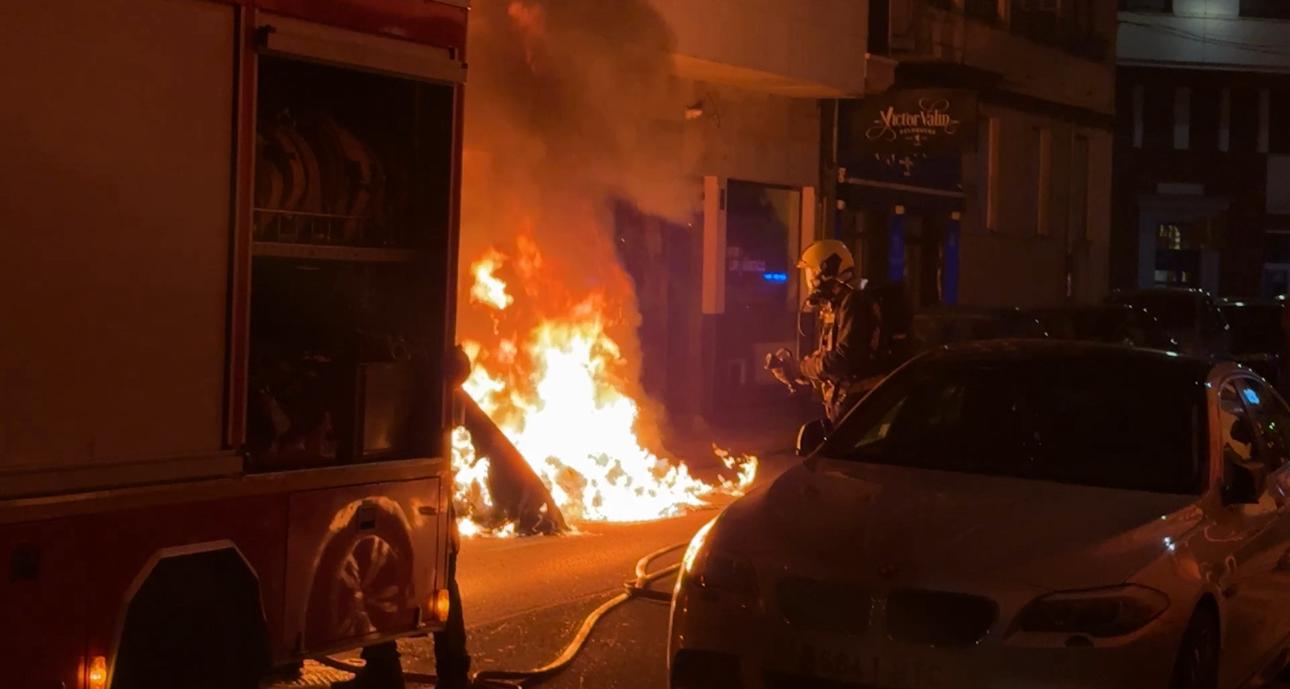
<point>645,344</point>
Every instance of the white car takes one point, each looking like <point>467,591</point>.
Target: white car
<point>1009,515</point>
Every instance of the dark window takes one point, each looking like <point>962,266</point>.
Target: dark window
<point>1036,19</point>
<point>1266,9</point>
<point>982,9</point>
<point>1115,421</point>
<point>879,26</point>
<point>1279,121</point>
<point>1245,120</point>
<point>1147,5</point>
<point>1206,105</point>
<point>1158,116</point>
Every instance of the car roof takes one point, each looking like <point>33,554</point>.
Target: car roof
<point>1047,350</point>
<point>1242,303</point>
<point>1179,291</point>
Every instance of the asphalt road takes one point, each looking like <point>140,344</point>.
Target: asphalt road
<point>524,598</point>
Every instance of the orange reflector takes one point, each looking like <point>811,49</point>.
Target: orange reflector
<point>441,604</point>
<point>98,673</point>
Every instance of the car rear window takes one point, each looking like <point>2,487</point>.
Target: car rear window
<point>1117,422</point>
<point>1175,311</point>
<point>1256,328</point>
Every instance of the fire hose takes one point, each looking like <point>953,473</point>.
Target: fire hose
<point>638,587</point>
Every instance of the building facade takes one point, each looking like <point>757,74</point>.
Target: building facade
<point>976,170</point>
<point>719,293</point>
<point>1202,163</point>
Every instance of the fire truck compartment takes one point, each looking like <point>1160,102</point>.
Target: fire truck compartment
<point>352,188</point>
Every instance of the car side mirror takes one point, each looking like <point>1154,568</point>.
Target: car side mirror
<point>1242,482</point>
<point>811,436</point>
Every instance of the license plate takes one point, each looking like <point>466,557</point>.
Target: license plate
<point>869,669</point>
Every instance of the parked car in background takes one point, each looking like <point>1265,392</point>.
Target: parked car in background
<point>1009,514</point>
<point>1190,316</point>
<point>1108,323</point>
<point>1258,340</point>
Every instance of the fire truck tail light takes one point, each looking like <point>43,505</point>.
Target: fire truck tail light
<point>441,605</point>
<point>98,673</point>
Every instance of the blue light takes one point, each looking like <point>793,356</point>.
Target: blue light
<point>1251,396</point>
<point>775,277</point>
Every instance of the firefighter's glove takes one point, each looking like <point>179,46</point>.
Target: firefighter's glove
<point>813,367</point>
<point>783,367</point>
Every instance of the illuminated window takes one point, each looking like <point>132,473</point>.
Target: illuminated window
<point>1169,237</point>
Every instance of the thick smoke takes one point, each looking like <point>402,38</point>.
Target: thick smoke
<point>571,107</point>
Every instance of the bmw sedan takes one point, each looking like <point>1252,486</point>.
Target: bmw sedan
<point>1010,515</point>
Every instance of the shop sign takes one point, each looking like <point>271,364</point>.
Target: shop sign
<point>920,121</point>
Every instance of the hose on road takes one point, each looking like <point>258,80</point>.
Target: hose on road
<point>639,587</point>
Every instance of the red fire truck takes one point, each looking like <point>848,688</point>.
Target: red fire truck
<point>227,279</point>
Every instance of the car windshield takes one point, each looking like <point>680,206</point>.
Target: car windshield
<point>1111,421</point>
<point>1256,328</point>
<point>1175,311</point>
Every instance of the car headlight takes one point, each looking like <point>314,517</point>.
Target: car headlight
<point>1107,612</point>
<point>717,571</point>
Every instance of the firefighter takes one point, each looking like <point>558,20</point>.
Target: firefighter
<point>849,335</point>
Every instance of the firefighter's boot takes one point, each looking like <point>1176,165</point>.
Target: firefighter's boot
<point>381,671</point>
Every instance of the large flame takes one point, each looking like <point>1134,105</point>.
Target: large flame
<point>558,395</point>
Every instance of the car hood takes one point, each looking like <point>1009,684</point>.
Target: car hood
<point>830,518</point>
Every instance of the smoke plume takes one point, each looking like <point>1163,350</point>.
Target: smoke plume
<point>571,106</point>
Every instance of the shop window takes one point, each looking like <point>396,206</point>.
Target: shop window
<point>1265,9</point>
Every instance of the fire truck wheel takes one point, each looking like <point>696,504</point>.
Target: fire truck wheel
<point>363,584</point>
<point>196,622</point>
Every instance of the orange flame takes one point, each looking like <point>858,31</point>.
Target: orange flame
<point>560,398</point>
<point>488,289</point>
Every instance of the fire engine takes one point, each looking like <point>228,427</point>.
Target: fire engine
<point>228,276</point>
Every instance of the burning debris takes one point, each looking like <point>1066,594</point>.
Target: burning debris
<point>560,399</point>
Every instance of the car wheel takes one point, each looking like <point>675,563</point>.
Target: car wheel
<point>1197,663</point>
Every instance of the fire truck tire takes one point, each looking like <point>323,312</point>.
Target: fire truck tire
<point>363,583</point>
<point>196,622</point>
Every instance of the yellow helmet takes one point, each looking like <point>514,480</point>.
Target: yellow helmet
<point>827,259</point>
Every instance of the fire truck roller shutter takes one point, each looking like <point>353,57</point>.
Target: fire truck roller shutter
<point>195,621</point>
<point>118,125</point>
